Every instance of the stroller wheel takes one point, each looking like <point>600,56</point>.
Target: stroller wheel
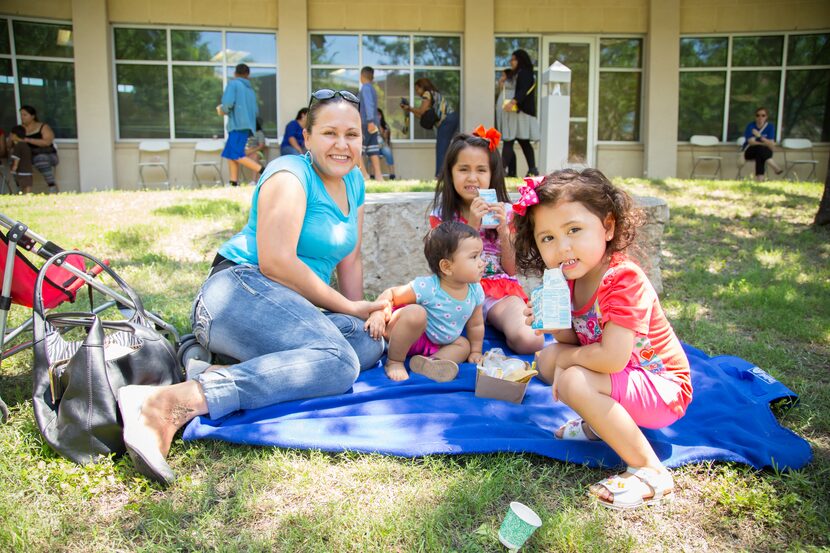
<point>191,349</point>
<point>4,412</point>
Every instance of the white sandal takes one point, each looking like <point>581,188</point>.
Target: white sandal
<point>627,493</point>
<point>573,430</point>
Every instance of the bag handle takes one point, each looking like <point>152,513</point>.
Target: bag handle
<point>37,303</point>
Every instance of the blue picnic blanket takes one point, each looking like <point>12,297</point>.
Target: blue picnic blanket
<point>729,419</point>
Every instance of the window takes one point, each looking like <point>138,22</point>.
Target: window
<point>723,79</point>
<point>398,60</point>
<point>45,70</point>
<point>169,81</point>
<point>620,85</point>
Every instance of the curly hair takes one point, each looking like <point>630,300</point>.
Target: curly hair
<point>594,191</point>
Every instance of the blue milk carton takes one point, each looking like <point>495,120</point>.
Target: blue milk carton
<point>489,220</point>
<point>551,302</point>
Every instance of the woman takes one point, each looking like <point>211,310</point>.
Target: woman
<point>506,91</point>
<point>447,124</point>
<point>40,138</point>
<point>262,302</point>
<point>293,142</point>
<point>519,119</point>
<point>759,139</point>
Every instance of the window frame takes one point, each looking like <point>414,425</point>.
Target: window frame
<point>593,100</point>
<point>168,63</point>
<point>411,68</point>
<point>13,57</point>
<point>782,67</point>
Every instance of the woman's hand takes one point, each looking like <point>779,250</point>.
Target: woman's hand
<point>363,309</point>
<point>376,324</point>
<point>478,209</point>
<point>509,105</point>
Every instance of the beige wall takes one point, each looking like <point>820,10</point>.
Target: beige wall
<point>717,16</point>
<point>440,16</point>
<point>224,13</point>
<point>50,9</point>
<point>620,160</point>
<point>569,16</point>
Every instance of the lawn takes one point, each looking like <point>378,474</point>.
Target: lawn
<point>744,274</point>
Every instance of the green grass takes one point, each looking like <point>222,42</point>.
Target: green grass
<point>744,275</point>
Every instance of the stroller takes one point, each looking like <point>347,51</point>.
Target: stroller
<point>62,283</point>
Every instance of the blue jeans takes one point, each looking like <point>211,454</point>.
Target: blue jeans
<point>446,130</point>
<point>288,349</point>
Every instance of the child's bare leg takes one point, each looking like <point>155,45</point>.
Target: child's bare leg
<point>546,361</point>
<point>405,327</point>
<point>508,317</point>
<point>457,351</point>
<point>589,394</point>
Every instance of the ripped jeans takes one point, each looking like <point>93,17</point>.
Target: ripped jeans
<point>288,349</point>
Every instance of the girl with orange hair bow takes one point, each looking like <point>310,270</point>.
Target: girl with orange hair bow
<point>472,165</point>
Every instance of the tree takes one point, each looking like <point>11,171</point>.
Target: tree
<point>823,214</point>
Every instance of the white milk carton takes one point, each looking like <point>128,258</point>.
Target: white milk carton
<point>551,302</point>
<point>489,220</point>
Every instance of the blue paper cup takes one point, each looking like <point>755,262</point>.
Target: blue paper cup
<point>519,524</point>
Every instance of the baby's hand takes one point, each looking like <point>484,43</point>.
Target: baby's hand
<point>376,324</point>
<point>475,357</point>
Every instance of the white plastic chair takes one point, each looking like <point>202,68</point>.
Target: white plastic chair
<point>801,146</point>
<point>700,143</point>
<point>157,152</point>
<point>203,156</point>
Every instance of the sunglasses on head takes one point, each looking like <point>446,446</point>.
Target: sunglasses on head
<point>327,94</point>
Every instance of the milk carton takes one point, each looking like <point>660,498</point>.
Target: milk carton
<point>551,302</point>
<point>489,220</point>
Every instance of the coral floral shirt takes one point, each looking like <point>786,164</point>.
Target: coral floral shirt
<point>626,297</point>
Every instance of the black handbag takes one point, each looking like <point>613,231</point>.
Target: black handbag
<point>76,382</point>
<point>428,118</point>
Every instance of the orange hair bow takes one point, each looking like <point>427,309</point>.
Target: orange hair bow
<point>490,134</point>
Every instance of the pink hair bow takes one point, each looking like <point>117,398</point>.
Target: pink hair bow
<point>527,194</point>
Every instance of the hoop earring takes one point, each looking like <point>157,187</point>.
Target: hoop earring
<point>309,157</point>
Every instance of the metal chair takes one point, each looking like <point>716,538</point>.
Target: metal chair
<point>802,146</point>
<point>203,156</point>
<point>158,154</point>
<point>700,143</point>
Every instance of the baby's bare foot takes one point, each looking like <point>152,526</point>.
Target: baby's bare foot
<point>395,371</point>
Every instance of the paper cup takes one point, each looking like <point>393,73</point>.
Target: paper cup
<point>519,524</point>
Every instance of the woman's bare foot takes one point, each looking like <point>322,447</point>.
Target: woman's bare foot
<point>395,370</point>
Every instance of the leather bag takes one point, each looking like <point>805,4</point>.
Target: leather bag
<point>76,382</point>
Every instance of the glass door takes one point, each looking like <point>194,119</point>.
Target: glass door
<point>579,55</point>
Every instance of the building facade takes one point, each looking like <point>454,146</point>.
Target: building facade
<point>647,74</point>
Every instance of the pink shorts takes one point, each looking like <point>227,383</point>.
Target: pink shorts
<point>423,346</point>
<point>636,390</point>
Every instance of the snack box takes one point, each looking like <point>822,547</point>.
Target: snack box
<point>498,388</point>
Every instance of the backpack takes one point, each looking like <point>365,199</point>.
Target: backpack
<point>432,117</point>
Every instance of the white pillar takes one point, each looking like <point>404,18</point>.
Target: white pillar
<point>293,62</point>
<point>478,64</point>
<point>94,101</point>
<point>662,88</point>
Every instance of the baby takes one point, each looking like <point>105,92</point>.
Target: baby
<point>425,317</point>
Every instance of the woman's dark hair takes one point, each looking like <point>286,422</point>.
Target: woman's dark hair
<point>301,113</point>
<point>442,241</point>
<point>426,84</point>
<point>317,105</point>
<point>30,110</point>
<point>594,191</point>
<point>446,198</point>
<point>523,59</point>
<point>765,110</point>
